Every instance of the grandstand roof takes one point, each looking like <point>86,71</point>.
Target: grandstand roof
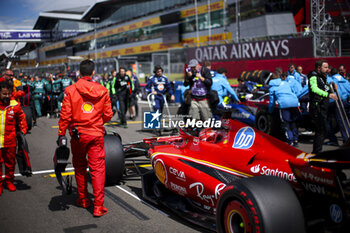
<point>101,9</point>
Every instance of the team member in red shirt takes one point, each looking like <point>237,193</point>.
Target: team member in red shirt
<point>85,108</point>
<point>10,115</point>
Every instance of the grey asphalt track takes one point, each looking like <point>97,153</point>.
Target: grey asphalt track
<point>39,206</point>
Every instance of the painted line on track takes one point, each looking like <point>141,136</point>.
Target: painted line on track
<point>132,210</point>
<point>111,123</point>
<point>142,201</point>
<point>45,171</point>
<point>112,196</point>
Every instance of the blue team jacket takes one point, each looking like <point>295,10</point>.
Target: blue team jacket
<point>159,84</point>
<point>221,85</point>
<point>343,85</point>
<point>281,92</point>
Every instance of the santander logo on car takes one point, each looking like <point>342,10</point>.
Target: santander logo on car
<point>265,171</point>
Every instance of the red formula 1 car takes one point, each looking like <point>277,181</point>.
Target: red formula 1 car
<point>238,179</point>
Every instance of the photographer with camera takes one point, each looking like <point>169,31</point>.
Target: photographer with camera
<point>199,80</point>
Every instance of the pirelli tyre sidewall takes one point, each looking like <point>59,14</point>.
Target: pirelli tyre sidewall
<point>115,159</point>
<point>28,112</point>
<point>263,204</point>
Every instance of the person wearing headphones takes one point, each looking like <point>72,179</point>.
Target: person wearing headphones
<point>158,85</point>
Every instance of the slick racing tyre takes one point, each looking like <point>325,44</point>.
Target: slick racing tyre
<point>28,112</point>
<point>263,121</point>
<point>115,159</point>
<point>269,123</point>
<point>263,204</point>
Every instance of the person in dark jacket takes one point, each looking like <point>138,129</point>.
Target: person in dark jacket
<point>320,93</point>
<point>199,80</point>
<point>123,87</point>
<point>159,85</point>
<point>135,90</point>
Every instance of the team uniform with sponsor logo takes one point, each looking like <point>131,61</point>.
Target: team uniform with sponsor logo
<point>10,116</point>
<point>161,85</point>
<point>38,96</point>
<point>85,108</point>
<point>66,82</point>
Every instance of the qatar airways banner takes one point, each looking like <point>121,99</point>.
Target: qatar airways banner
<point>269,49</point>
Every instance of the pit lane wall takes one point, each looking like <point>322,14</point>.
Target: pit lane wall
<point>261,55</point>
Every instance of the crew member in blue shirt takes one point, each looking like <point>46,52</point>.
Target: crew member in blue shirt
<point>222,87</point>
<point>158,85</point>
<point>343,89</point>
<point>294,73</point>
<point>281,91</point>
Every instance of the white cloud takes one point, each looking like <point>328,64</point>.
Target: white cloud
<point>8,23</point>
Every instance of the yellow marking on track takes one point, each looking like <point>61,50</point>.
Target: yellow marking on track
<point>72,173</point>
<point>129,122</point>
<point>112,123</point>
<point>63,174</point>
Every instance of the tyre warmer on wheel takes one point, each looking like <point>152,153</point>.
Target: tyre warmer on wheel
<point>22,155</point>
<point>60,160</point>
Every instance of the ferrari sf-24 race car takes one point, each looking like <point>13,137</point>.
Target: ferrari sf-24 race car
<point>238,179</point>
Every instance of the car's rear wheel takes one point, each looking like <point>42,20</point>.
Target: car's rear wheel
<point>236,218</point>
<point>115,159</point>
<point>260,204</point>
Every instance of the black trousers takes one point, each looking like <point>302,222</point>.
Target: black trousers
<point>123,106</point>
<point>318,113</point>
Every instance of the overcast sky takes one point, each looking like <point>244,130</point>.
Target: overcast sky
<point>22,14</point>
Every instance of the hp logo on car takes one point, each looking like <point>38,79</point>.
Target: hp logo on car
<point>336,213</point>
<point>244,138</point>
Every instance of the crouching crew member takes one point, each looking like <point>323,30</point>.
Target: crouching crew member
<point>11,115</point>
<point>85,108</point>
<point>158,85</point>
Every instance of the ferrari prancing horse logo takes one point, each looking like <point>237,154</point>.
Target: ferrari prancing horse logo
<point>87,107</point>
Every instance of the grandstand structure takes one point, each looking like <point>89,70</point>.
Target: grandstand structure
<point>245,34</point>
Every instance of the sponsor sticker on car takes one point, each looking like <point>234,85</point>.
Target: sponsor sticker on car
<point>244,138</point>
<point>336,213</point>
<point>265,171</point>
